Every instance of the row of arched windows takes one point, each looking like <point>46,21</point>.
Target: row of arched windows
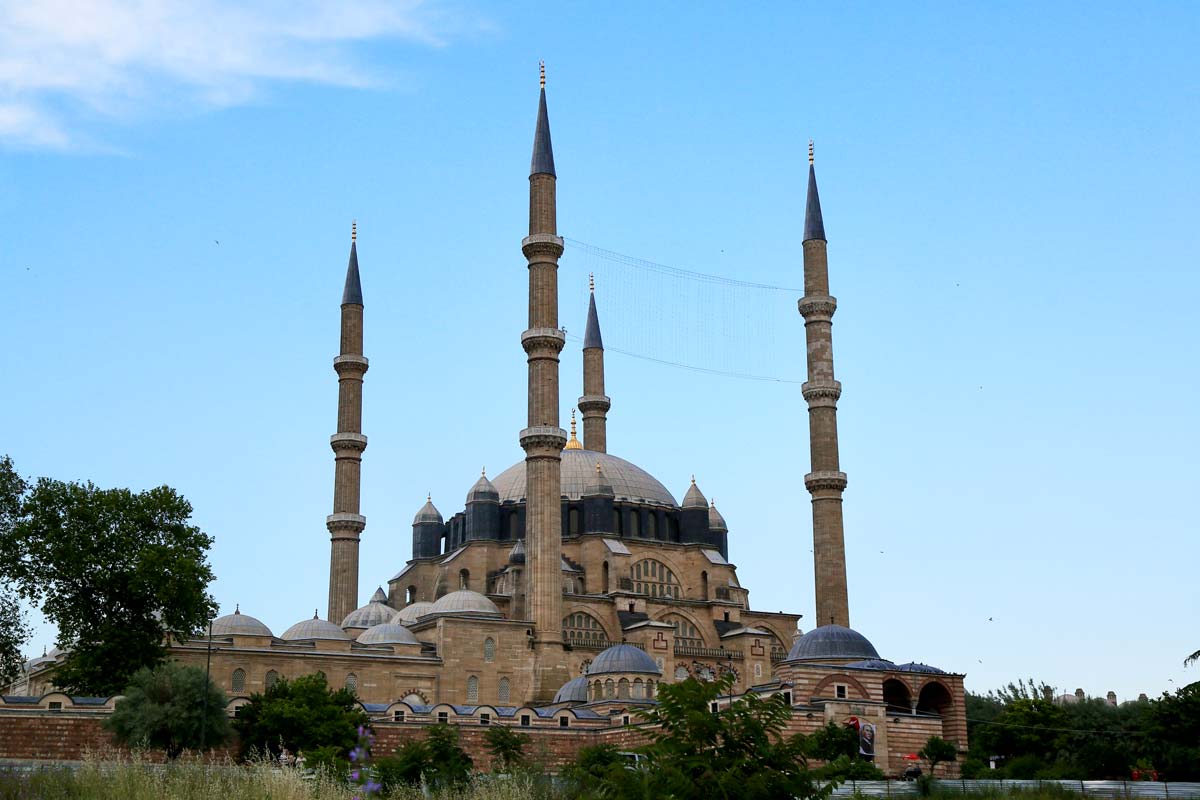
<point>503,690</point>
<point>654,578</point>
<point>583,627</point>
<point>623,689</point>
<point>237,681</point>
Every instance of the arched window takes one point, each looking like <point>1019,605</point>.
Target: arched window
<point>649,689</point>
<point>704,585</point>
<point>635,523</point>
<point>610,689</point>
<point>655,579</point>
<point>573,522</point>
<point>410,595</point>
<point>472,689</point>
<point>238,682</point>
<point>514,526</point>
<point>605,588</point>
<point>934,699</point>
<point>652,525</point>
<point>271,678</point>
<point>639,689</point>
<point>505,690</point>
<point>685,632</point>
<point>623,688</point>
<point>618,522</point>
<point>681,673</point>
<point>464,579</point>
<point>352,682</point>
<point>489,649</point>
<point>897,696</point>
<point>582,627</point>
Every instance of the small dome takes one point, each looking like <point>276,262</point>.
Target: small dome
<point>874,663</point>
<point>832,642</point>
<point>314,628</point>
<point>913,666</point>
<point>694,497</point>
<point>573,691</point>
<point>715,521</point>
<point>387,633</point>
<point>412,612</point>
<point>428,513</point>
<point>464,601</point>
<point>623,658</point>
<point>483,490</point>
<point>239,624</point>
<point>517,554</point>
<point>372,614</point>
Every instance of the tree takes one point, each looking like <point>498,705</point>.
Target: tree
<point>507,748</point>
<point>937,751</point>
<point>301,715</point>
<point>14,631</point>
<point>832,742</point>
<point>449,764</point>
<point>116,571</point>
<point>172,708</point>
<point>1192,659</point>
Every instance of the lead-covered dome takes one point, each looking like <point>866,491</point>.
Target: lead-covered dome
<point>628,481</point>
<point>466,602</point>
<point>832,642</point>
<point>314,628</point>
<point>623,658</point>
<point>239,624</point>
<point>573,691</point>
<point>413,612</point>
<point>387,633</point>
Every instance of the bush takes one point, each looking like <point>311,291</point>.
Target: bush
<point>844,768</point>
<point>171,708</point>
<point>301,715</point>
<point>507,748</point>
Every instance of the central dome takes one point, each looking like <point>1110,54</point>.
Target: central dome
<point>629,481</point>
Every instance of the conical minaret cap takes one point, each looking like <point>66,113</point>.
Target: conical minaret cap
<point>428,513</point>
<point>694,497</point>
<point>352,294</point>
<point>591,334</point>
<point>814,225</point>
<point>379,596</point>
<point>483,490</point>
<point>543,152</point>
<point>716,522</point>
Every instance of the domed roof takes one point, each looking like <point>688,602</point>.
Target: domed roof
<point>874,663</point>
<point>573,691</point>
<point>694,497</point>
<point>831,641</point>
<point>628,481</point>
<point>372,614</point>
<point>239,624</point>
<point>387,633</point>
<point>623,658</point>
<point>483,490</point>
<point>913,666</point>
<point>314,628</point>
<point>412,612</point>
<point>428,513</point>
<point>464,601</point>
<point>715,521</point>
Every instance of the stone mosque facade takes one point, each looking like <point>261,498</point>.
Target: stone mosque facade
<point>567,588</point>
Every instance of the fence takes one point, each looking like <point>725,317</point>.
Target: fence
<point>1118,790</point>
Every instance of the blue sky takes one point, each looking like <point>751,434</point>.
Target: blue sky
<point>1010,195</point>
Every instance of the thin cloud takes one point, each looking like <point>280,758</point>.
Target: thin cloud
<point>65,63</point>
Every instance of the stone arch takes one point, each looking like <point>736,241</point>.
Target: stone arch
<point>703,584</point>
<point>610,689</point>
<point>414,697</point>
<point>410,595</point>
<point>681,673</point>
<point>581,625</point>
<point>639,689</point>
<point>897,695</point>
<point>623,688</point>
<point>697,623</point>
<point>935,698</point>
<point>850,681</point>
<point>464,579</point>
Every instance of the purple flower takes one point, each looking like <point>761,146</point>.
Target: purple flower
<point>372,787</point>
<point>354,776</point>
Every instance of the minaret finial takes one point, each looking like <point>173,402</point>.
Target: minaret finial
<point>542,73</point>
<point>573,443</point>
<point>810,151</point>
<point>693,479</point>
<point>354,230</point>
<point>592,282</point>
<point>483,472</point>
<point>429,497</point>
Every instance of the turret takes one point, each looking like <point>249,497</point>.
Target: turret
<point>345,524</point>
<point>693,517</point>
<point>718,531</point>
<point>594,404</point>
<point>428,530</point>
<point>598,498</point>
<point>483,510</point>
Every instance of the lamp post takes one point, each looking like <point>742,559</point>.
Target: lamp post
<point>207,683</point>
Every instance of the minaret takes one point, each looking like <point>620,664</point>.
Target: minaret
<point>594,404</point>
<point>826,481</point>
<point>543,440</point>
<point>345,523</point>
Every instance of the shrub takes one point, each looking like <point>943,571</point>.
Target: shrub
<point>171,708</point>
<point>507,748</point>
<point>301,715</point>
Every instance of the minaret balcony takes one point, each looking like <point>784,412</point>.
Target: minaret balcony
<point>817,308</point>
<point>542,245</point>
<point>593,402</point>
<point>353,442</point>
<point>544,440</point>
<point>827,481</point>
<point>350,364</point>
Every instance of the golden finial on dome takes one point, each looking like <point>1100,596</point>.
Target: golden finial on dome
<point>542,71</point>
<point>353,230</point>
<point>597,467</point>
<point>573,444</point>
<point>810,152</point>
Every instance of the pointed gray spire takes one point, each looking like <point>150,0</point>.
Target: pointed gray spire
<point>814,226</point>
<point>543,153</point>
<point>694,497</point>
<point>352,294</point>
<point>379,596</point>
<point>591,334</point>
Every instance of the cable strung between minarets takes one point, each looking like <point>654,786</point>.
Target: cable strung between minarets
<point>594,404</point>
<point>826,481</point>
<point>346,523</point>
<point>543,440</point>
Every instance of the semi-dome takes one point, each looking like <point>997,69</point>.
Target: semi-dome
<point>314,628</point>
<point>628,481</point>
<point>464,601</point>
<point>428,513</point>
<point>832,642</point>
<point>387,633</point>
<point>573,691</point>
<point>370,615</point>
<point>483,490</point>
<point>239,624</point>
<point>623,658</point>
<point>413,612</point>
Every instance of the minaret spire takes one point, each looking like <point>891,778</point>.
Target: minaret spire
<point>345,524</point>
<point>826,481</point>
<point>594,403</point>
<point>543,440</point>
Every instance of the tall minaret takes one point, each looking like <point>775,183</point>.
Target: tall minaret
<point>826,481</point>
<point>543,440</point>
<point>594,404</point>
<point>345,523</point>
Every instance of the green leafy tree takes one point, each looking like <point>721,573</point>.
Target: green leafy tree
<point>507,748</point>
<point>116,571</point>
<point>1192,659</point>
<point>14,631</point>
<point>1174,729</point>
<point>171,708</point>
<point>302,715</point>
<point>832,742</point>
<point>938,751</point>
<point>449,764</point>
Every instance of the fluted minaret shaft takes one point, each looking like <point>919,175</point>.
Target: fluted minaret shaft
<point>345,524</point>
<point>826,481</point>
<point>543,439</point>
<point>594,404</point>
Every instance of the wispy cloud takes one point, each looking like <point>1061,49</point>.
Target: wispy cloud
<point>64,62</point>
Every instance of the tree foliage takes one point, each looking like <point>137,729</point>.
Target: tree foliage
<point>302,715</point>
<point>14,631</point>
<point>171,708</point>
<point>437,759</point>
<point>832,742</point>
<point>507,748</point>
<point>116,572</point>
<point>937,751</point>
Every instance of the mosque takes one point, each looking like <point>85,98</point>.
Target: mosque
<point>570,586</point>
